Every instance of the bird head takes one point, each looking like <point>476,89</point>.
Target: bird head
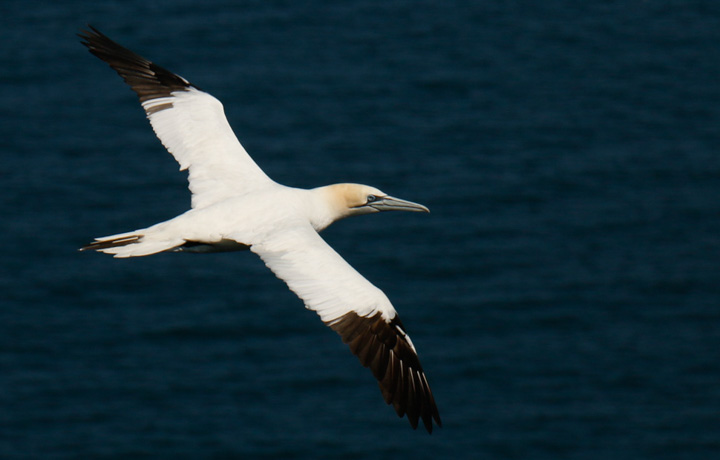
<point>362,199</point>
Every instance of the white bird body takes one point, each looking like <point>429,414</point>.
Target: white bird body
<point>247,218</point>
<point>289,225</point>
<point>236,206</point>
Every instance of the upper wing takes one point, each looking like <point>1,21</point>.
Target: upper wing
<point>190,123</point>
<point>358,311</point>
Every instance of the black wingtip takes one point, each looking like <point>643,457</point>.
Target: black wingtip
<point>88,33</point>
<point>147,79</point>
<point>384,347</point>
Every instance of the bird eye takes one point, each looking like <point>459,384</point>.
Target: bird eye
<point>371,198</point>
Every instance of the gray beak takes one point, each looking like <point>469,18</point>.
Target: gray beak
<point>389,203</point>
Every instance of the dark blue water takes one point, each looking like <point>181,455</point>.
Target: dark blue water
<point>564,293</point>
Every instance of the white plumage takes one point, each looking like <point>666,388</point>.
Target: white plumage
<point>318,275</point>
<point>194,129</point>
<point>236,206</point>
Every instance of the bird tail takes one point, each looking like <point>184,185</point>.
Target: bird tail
<point>132,244</point>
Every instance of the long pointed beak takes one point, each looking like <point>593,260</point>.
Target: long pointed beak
<point>389,203</point>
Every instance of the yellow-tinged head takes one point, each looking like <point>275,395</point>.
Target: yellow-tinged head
<point>334,202</point>
<point>356,199</point>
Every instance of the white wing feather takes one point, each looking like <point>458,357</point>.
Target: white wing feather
<point>190,123</point>
<point>195,131</point>
<point>325,282</point>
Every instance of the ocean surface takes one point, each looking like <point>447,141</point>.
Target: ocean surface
<point>563,294</point>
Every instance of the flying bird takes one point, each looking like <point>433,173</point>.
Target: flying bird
<point>236,206</point>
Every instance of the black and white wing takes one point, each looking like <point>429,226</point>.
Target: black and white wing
<point>358,311</point>
<point>189,122</point>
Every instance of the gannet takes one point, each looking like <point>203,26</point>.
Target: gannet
<point>236,206</point>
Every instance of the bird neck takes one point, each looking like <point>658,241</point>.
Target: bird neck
<point>326,206</point>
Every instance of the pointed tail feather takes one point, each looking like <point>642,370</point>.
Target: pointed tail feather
<point>132,245</point>
<point>102,243</point>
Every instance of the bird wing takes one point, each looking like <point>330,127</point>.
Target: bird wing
<point>189,122</point>
<point>357,310</point>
